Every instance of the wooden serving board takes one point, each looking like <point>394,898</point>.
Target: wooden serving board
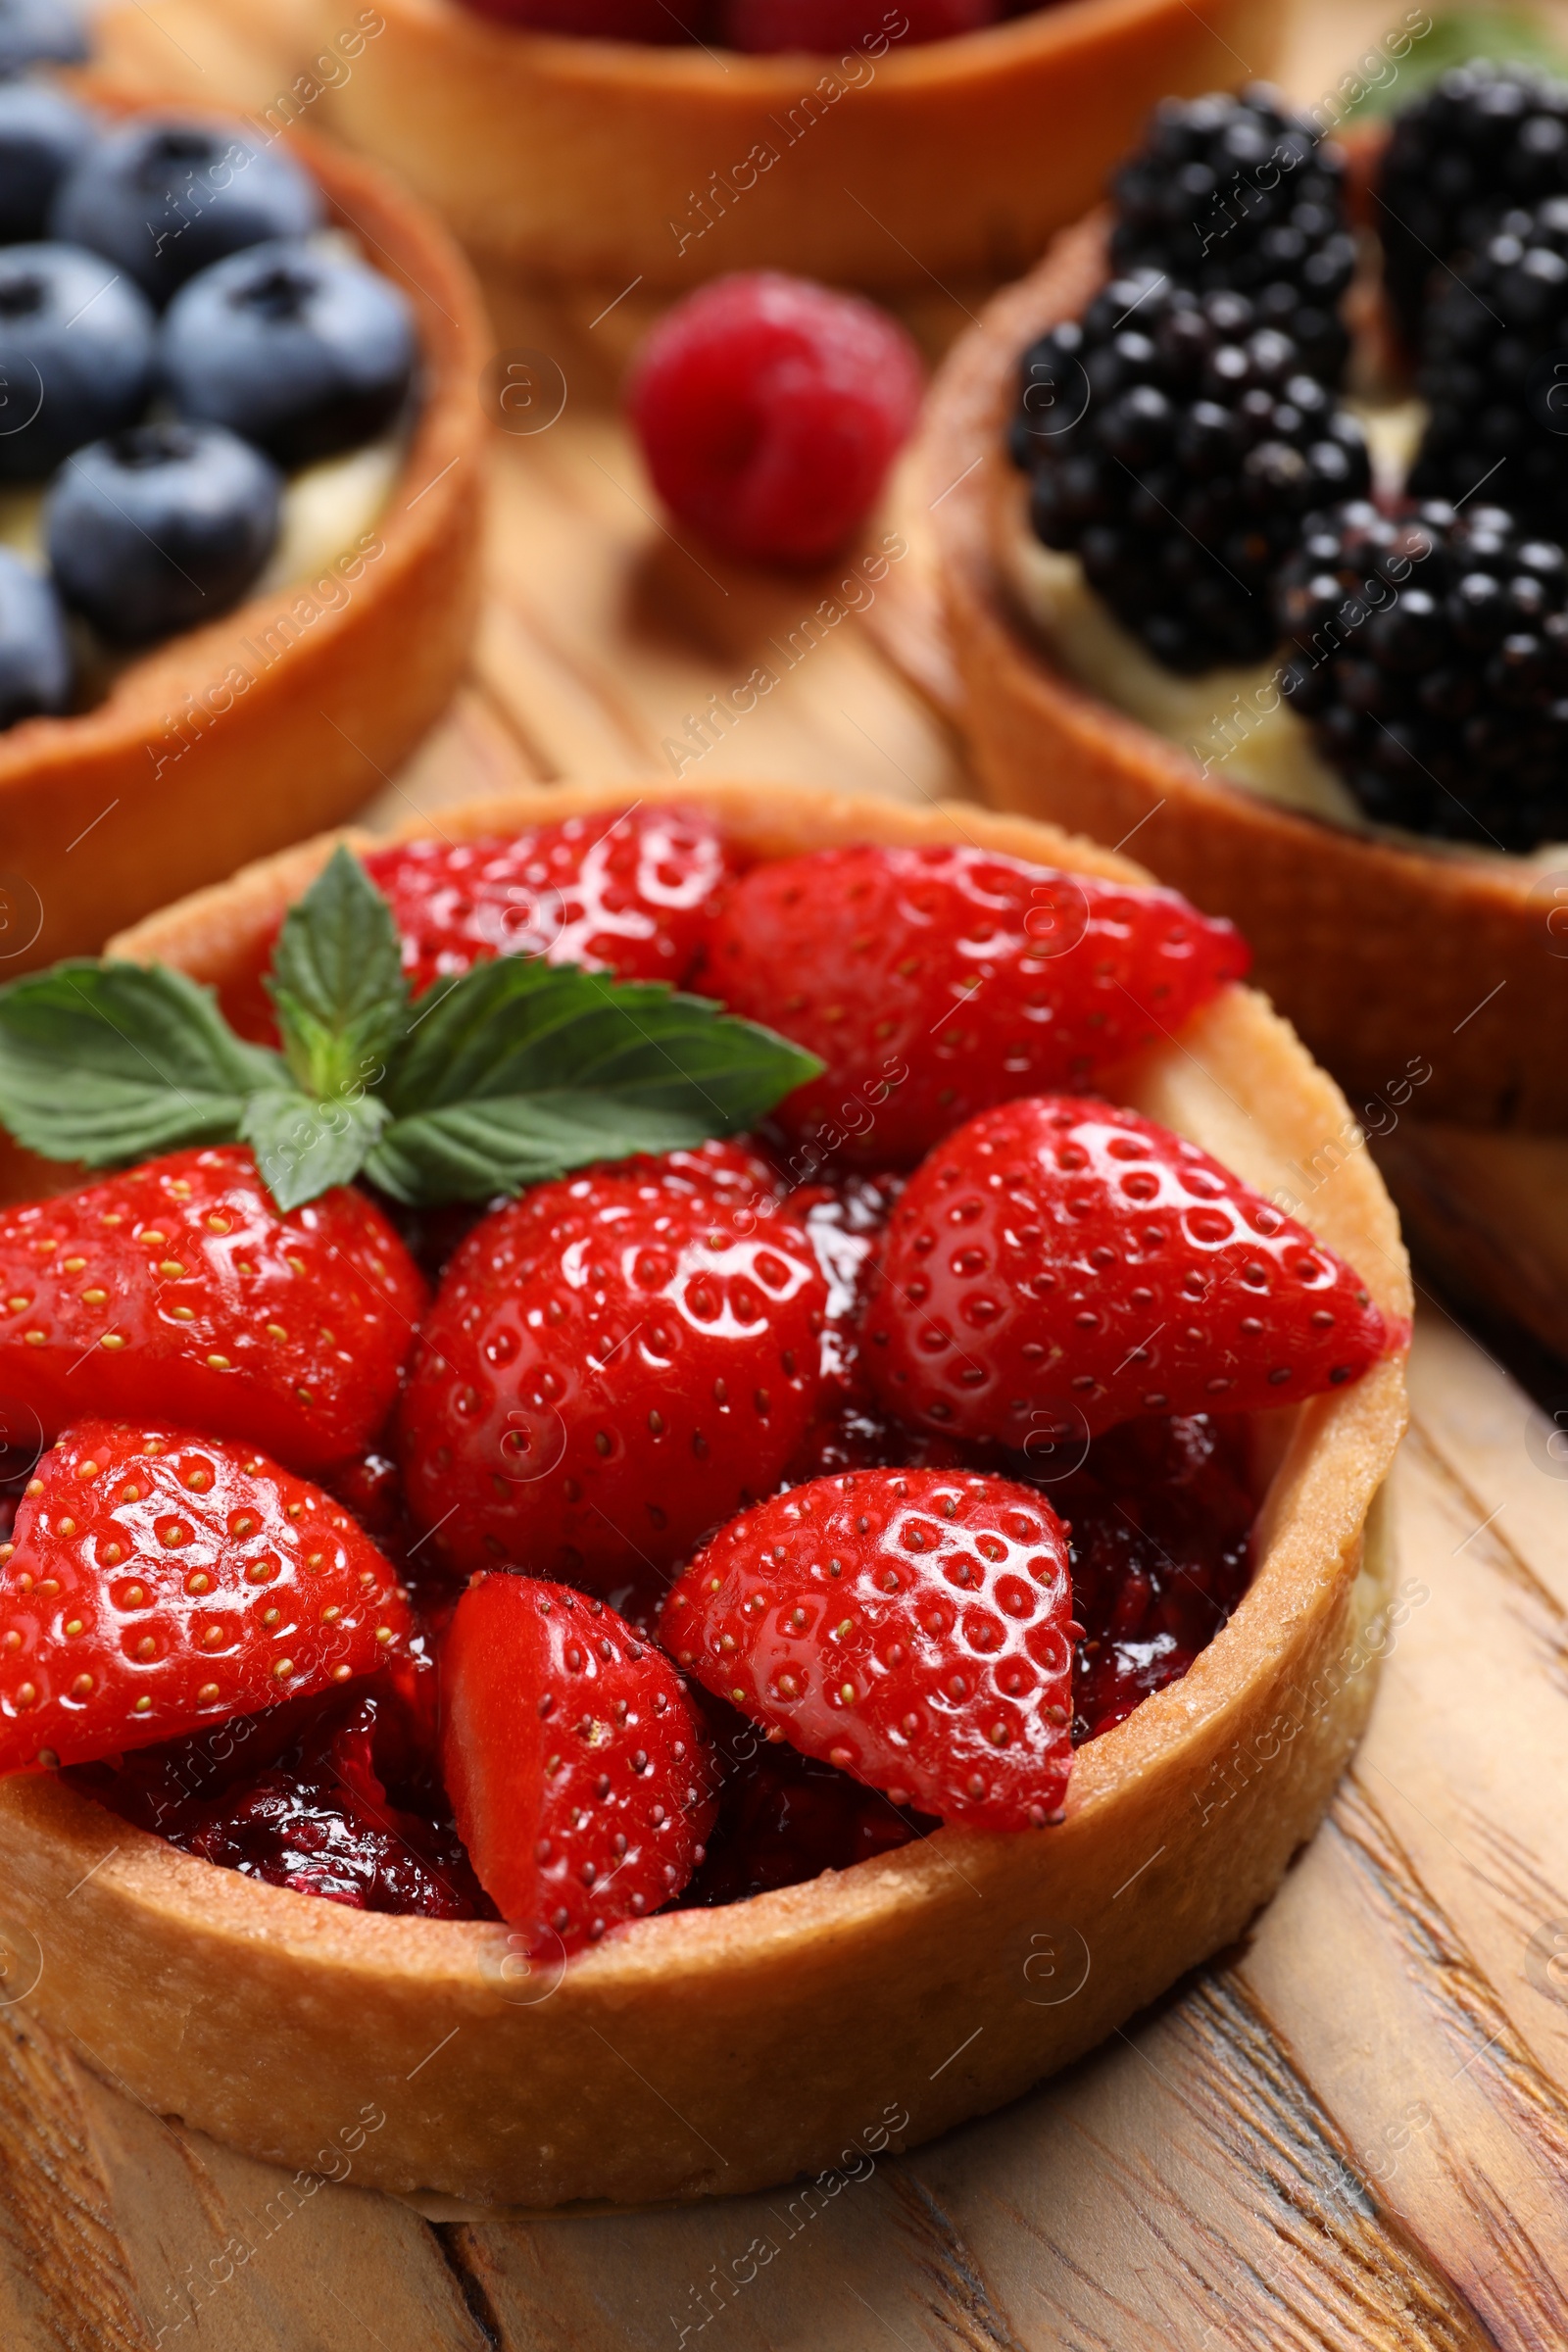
<point>1350,2132</point>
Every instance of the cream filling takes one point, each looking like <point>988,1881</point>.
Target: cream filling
<point>1235,725</point>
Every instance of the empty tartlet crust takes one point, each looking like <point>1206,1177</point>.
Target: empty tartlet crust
<point>230,741</point>
<point>1384,956</point>
<point>710,2052</point>
<point>565,160</point>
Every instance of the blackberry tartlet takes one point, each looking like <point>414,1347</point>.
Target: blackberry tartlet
<point>1365,756</point>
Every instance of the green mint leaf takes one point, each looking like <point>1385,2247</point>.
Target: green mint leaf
<point>501,1143</point>
<point>338,981</point>
<point>115,1062</point>
<point>302,1147</point>
<point>521,1071</point>
<point>1505,36</point>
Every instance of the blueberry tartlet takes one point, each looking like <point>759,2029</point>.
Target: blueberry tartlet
<point>546,1574</point>
<point>1257,552</point>
<point>238,471</point>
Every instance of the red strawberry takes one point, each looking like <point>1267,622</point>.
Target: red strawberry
<point>180,1290</point>
<point>933,982</point>
<point>736,1181</point>
<point>1058,1261</point>
<point>909,1625</point>
<point>580,1776</point>
<point>611,1369</point>
<point>629,892</point>
<point>158,1581</point>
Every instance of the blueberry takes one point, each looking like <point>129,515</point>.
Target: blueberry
<point>164,197</point>
<point>36,667</point>
<point>161,528</point>
<point>40,32</point>
<point>77,353</point>
<point>301,355</point>
<point>43,136</point>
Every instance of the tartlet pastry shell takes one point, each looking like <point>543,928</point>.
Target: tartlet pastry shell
<point>568,160</point>
<point>184,771</point>
<point>1386,958</point>
<point>715,2051</point>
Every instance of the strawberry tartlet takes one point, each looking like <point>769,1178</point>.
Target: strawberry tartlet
<point>663,1424</point>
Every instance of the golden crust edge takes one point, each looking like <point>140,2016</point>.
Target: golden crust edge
<point>357,2000</point>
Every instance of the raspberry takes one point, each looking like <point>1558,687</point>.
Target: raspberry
<point>770,411</point>
<point>763,26</point>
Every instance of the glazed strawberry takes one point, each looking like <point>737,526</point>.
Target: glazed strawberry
<point>933,982</point>
<point>1059,1260</point>
<point>629,891</point>
<point>910,1627</point>
<point>764,25</point>
<point>157,1581</point>
<point>180,1290</point>
<point>770,411</point>
<point>613,1366</point>
<point>580,1776</point>
<point>735,1182</point>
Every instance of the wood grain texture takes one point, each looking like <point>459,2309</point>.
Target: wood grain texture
<point>1349,2134</point>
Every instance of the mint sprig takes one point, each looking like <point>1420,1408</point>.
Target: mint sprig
<point>515,1072</point>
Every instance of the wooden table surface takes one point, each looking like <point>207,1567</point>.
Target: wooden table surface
<point>1352,2130</point>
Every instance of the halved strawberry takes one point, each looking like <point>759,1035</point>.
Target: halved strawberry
<point>933,982</point>
<point>157,1580</point>
<point>1057,1262</point>
<point>909,1626</point>
<point>611,1368</point>
<point>581,1778</point>
<point>627,891</point>
<point>180,1288</point>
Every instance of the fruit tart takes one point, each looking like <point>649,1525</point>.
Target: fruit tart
<point>684,1505</point>
<point>238,550</point>
<point>599,144</point>
<point>1260,568</point>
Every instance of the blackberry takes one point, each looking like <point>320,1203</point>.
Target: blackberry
<point>1175,444</point>
<point>1433,667</point>
<point>1481,140</point>
<point>1239,194</point>
<point>1493,373</point>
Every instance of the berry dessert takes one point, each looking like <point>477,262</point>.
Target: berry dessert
<point>769,412</point>
<point>1299,644</point>
<point>742,1560</point>
<point>735,127</point>
<point>234,365</point>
